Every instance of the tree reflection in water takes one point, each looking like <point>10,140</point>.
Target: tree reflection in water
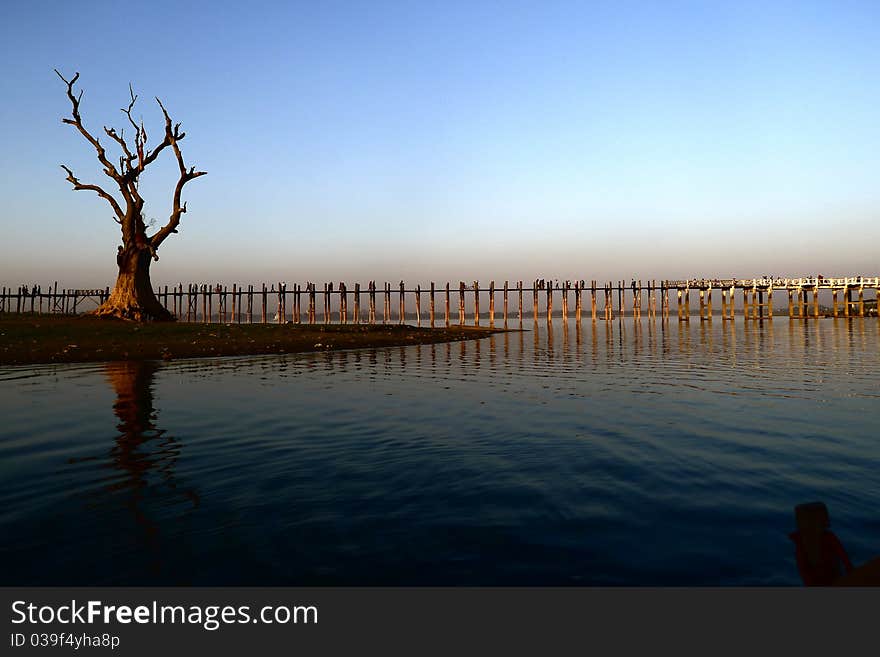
<point>142,461</point>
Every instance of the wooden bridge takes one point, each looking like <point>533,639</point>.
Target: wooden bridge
<point>299,304</point>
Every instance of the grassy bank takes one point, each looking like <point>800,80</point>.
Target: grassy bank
<point>26,339</point>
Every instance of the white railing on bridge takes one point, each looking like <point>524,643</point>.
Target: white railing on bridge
<point>776,282</point>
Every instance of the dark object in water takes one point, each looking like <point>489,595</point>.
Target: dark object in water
<point>821,557</point>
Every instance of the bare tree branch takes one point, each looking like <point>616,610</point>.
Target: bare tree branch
<point>78,186</point>
<point>119,138</point>
<point>76,121</point>
<point>144,155</point>
<point>172,136</point>
<point>140,135</point>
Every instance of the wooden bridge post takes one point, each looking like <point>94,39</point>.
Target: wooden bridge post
<point>687,303</point>
<point>505,304</point>
<point>635,310</point>
<point>564,303</point>
<point>639,293</point>
<point>834,302</point>
<point>702,305</point>
<point>313,303</point>
<point>371,303</point>
<point>357,303</point>
<point>283,314</point>
<point>432,304</point>
<point>447,304</point>
<point>621,311</point>
<point>608,311</point>
<point>476,303</point>
<point>680,317</point>
<point>343,302</point>
<point>491,303</point>
<point>234,307</point>
<point>418,304</point>
<point>816,301</point>
<point>263,305</point>
<point>653,294</point>
<point>519,289</point>
<point>549,300</point>
<point>401,310</point>
<point>461,303</point>
<point>593,299</point>
<point>308,302</point>
<point>861,301</point>
<point>578,300</point>
<point>770,302</point>
<point>790,303</point>
<point>664,299</point>
<point>535,300</point>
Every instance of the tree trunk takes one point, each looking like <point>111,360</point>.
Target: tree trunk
<point>132,297</point>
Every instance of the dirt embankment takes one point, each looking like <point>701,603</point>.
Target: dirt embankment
<point>26,339</point>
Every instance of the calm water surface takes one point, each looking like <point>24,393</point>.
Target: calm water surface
<point>630,452</point>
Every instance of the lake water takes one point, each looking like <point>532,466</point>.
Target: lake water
<point>624,453</point>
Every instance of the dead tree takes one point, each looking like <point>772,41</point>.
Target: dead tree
<point>132,297</point>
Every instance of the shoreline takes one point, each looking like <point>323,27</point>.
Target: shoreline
<point>41,339</point>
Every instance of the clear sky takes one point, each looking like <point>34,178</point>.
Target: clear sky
<point>454,140</point>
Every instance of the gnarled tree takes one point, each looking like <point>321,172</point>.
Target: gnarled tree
<point>132,297</point>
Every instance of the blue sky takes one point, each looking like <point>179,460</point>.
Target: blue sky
<point>446,141</point>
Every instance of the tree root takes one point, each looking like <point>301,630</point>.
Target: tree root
<point>132,313</point>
